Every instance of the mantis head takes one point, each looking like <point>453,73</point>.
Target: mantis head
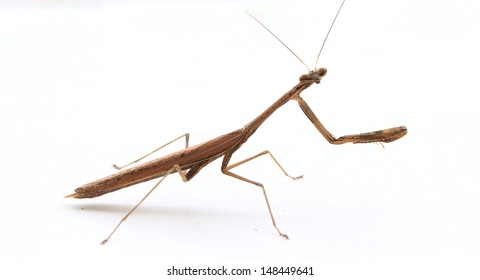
<point>314,76</point>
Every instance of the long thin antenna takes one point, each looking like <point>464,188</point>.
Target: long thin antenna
<point>281,40</point>
<point>323,44</point>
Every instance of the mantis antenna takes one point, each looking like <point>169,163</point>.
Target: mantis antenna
<point>279,40</point>
<point>321,48</point>
<point>328,33</point>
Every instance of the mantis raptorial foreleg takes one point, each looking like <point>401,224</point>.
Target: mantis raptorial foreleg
<point>186,135</point>
<point>384,135</point>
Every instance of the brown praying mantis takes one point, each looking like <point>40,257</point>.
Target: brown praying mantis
<point>189,161</point>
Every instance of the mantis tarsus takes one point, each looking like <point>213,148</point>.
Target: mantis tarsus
<point>189,161</point>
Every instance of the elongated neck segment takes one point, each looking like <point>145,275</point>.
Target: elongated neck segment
<point>306,80</point>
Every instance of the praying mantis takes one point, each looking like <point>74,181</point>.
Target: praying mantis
<point>189,161</point>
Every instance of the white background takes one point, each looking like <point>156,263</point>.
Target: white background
<point>85,85</point>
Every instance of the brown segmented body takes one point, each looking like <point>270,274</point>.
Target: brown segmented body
<point>188,158</point>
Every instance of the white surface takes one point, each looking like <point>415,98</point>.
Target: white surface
<point>83,86</point>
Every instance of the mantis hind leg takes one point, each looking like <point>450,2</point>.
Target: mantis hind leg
<point>186,135</point>
<point>176,168</point>
<point>186,176</point>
